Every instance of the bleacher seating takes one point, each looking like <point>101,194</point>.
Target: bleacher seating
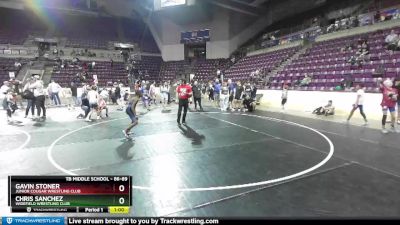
<point>12,37</point>
<point>328,65</point>
<point>264,62</point>
<point>170,70</point>
<point>6,66</point>
<point>87,43</point>
<point>105,73</point>
<point>103,70</point>
<point>205,70</point>
<point>149,66</point>
<point>17,25</point>
<point>79,31</point>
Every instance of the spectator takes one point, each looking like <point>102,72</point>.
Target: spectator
<point>377,16</point>
<point>396,15</point>
<point>326,110</point>
<point>15,84</point>
<point>361,54</point>
<point>3,92</point>
<point>85,106</point>
<point>306,81</point>
<point>9,105</point>
<point>54,89</point>
<point>353,60</point>
<point>17,64</point>
<point>354,21</point>
<point>74,94</point>
<point>210,92</point>
<point>217,89</point>
<point>196,88</point>
<point>31,99</point>
<point>37,86</point>
<point>392,41</point>
<point>224,96</point>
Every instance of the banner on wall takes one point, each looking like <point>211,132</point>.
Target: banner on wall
<point>122,45</point>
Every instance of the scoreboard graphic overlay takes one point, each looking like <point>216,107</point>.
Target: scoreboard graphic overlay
<point>75,194</point>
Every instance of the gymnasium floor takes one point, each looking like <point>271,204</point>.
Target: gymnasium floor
<point>264,164</point>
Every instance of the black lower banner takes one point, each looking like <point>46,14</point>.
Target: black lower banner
<point>139,221</point>
<point>206,221</point>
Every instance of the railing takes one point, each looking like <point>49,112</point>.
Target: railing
<point>304,31</point>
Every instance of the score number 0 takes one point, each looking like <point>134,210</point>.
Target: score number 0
<point>121,200</point>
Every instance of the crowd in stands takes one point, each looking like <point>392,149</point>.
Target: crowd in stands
<point>317,28</point>
<point>82,52</point>
<point>339,63</point>
<point>392,41</point>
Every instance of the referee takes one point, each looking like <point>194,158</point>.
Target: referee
<point>184,92</point>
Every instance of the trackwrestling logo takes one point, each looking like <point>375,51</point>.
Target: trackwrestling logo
<point>33,220</point>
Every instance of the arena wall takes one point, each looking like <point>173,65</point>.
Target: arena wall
<point>307,101</point>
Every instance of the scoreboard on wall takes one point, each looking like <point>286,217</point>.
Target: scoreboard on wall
<point>74,194</point>
<point>197,36</point>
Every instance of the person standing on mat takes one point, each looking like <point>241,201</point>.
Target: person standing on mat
<point>31,100</point>
<point>359,104</point>
<point>131,111</point>
<point>38,92</point>
<point>164,94</point>
<point>238,93</point>
<point>224,96</point>
<point>93,97</point>
<point>284,97</point>
<point>397,87</point>
<point>389,99</point>
<point>197,95</point>
<point>184,92</point>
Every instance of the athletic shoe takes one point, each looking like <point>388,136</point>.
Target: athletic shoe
<point>98,117</point>
<point>88,120</point>
<point>125,134</point>
<point>366,123</point>
<point>394,130</point>
<point>385,131</point>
